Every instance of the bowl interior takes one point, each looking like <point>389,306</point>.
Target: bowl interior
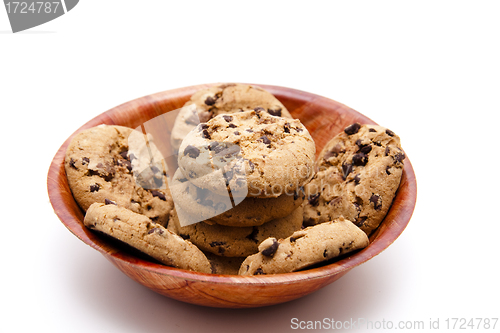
<point>323,117</point>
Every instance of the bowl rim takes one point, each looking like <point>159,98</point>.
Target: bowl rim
<point>382,240</point>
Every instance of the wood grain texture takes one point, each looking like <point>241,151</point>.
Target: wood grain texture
<point>324,118</point>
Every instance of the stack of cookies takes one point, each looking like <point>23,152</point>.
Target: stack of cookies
<point>247,195</point>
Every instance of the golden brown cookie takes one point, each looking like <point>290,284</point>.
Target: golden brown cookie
<point>359,172</point>
<point>225,98</point>
<point>148,237</point>
<point>112,164</point>
<point>304,248</point>
<point>250,153</point>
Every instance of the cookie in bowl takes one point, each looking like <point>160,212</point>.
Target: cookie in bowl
<point>358,174</point>
<point>304,248</point>
<point>223,99</point>
<point>110,163</point>
<point>146,236</point>
<point>250,153</point>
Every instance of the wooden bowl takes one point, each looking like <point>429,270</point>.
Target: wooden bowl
<point>324,118</point>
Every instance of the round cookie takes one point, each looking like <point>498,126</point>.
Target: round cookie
<point>225,98</point>
<point>148,237</point>
<point>111,164</point>
<point>201,204</point>
<point>358,174</point>
<point>304,248</point>
<point>235,241</point>
<point>248,152</point>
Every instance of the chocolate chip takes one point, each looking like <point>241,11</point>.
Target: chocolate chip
<point>158,182</point>
<point>127,164</point>
<point>231,125</point>
<point>253,235</point>
<point>387,170</point>
<point>399,157</point>
<point>94,187</point>
<point>313,199</point>
<point>269,251</point>
<point>265,139</point>
<point>123,154</point>
<point>158,194</point>
<point>357,179</point>
<point>160,231</point>
<point>227,150</point>
<point>286,128</point>
<point>210,100</point>
<point>275,112</point>
<point>387,151</point>
<point>259,271</point>
<point>72,163</point>
<point>227,118</point>
<point>360,221</point>
<point>352,129</point>
<point>359,159</point>
<point>346,170</point>
<point>214,146</point>
<point>377,201</point>
<point>389,132</point>
<point>259,109</point>
<point>236,133</point>
<point>191,151</point>
<point>249,130</point>
<point>109,202</point>
<point>372,130</point>
<point>251,165</point>
<point>298,129</point>
<point>365,149</point>
<point>334,152</point>
<point>205,134</point>
<point>85,160</point>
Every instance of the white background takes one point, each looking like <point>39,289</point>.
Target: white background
<point>428,70</point>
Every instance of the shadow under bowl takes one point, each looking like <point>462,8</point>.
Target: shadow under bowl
<point>324,118</point>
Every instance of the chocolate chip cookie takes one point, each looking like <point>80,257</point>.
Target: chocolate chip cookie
<point>225,98</point>
<point>115,164</point>
<point>235,241</point>
<point>358,174</point>
<point>304,248</point>
<point>148,237</point>
<point>250,153</point>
